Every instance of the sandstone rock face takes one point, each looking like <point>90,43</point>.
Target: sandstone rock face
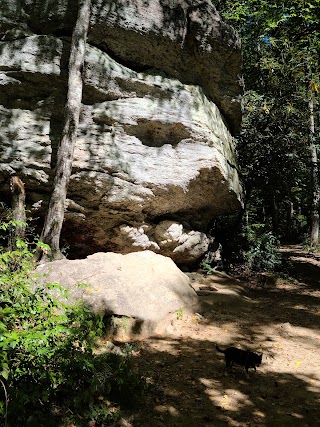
<point>154,160</point>
<point>142,285</point>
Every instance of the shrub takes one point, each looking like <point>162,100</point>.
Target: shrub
<point>310,246</point>
<point>48,368</point>
<point>263,253</point>
<point>206,267</point>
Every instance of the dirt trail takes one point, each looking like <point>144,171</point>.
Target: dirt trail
<point>279,317</point>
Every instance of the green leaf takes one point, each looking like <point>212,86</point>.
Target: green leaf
<point>4,373</point>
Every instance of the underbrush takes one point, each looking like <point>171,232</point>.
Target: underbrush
<point>263,253</point>
<point>310,246</point>
<point>49,372</point>
<point>247,250</point>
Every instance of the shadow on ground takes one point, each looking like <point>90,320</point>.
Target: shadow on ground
<point>189,390</point>
<point>187,387</point>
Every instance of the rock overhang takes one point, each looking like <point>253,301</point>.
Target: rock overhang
<point>152,144</point>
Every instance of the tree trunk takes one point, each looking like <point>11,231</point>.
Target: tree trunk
<point>314,236</point>
<point>274,213</point>
<point>290,213</point>
<point>55,214</point>
<point>18,209</point>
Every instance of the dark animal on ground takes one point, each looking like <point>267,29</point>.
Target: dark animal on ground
<point>244,358</point>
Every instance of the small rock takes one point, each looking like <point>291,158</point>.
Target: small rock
<point>170,329</point>
<point>173,411</point>
<point>111,348</point>
<point>286,329</point>
<point>124,422</point>
<point>199,317</point>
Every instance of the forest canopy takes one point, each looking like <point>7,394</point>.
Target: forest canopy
<point>279,142</point>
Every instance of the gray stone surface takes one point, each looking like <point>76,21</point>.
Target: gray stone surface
<point>142,285</point>
<point>161,99</point>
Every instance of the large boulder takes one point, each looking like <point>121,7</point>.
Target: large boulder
<point>143,286</point>
<point>161,100</point>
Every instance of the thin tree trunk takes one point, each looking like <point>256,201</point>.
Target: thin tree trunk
<point>290,212</point>
<point>274,213</point>
<point>314,236</point>
<point>18,209</point>
<point>55,214</point>
<point>315,206</point>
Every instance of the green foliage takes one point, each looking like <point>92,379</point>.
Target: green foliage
<point>281,47</point>
<point>263,253</point>
<point>310,246</point>
<point>180,314</point>
<point>206,267</point>
<point>48,367</point>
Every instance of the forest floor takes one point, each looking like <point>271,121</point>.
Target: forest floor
<point>278,316</point>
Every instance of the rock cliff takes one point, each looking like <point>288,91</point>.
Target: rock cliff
<point>155,160</point>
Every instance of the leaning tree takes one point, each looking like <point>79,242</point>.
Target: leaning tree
<point>55,213</point>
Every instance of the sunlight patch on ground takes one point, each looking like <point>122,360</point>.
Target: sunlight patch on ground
<point>293,367</point>
<point>167,409</point>
<point>302,289</point>
<point>285,284</point>
<point>313,382</point>
<point>166,346</point>
<point>305,260</point>
<point>277,337</point>
<point>228,399</point>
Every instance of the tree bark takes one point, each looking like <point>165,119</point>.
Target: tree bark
<point>274,212</point>
<point>314,236</point>
<point>55,214</point>
<point>315,205</point>
<point>18,209</point>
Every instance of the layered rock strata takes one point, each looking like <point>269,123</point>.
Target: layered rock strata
<point>155,159</point>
